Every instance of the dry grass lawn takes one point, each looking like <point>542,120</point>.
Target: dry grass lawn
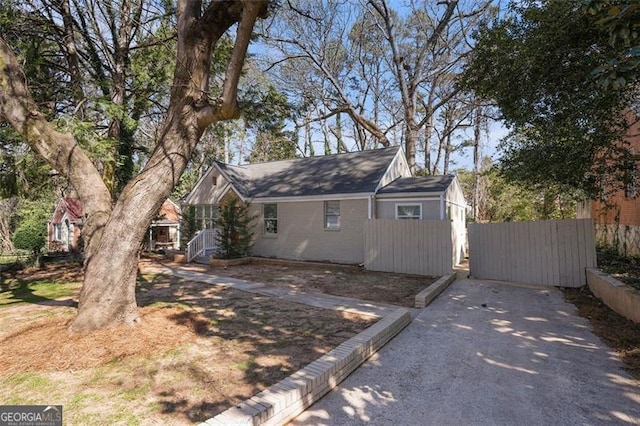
<point>199,350</point>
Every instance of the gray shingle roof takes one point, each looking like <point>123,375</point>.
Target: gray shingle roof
<point>418,184</point>
<point>351,173</point>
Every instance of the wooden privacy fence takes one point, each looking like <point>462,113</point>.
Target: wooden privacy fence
<point>549,252</point>
<point>422,247</point>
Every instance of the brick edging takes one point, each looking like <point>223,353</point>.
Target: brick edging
<point>288,398</point>
<point>620,297</point>
<point>428,295</point>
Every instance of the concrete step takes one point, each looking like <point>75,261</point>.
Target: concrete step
<point>203,259</point>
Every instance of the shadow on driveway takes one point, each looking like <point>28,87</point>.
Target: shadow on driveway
<point>487,353</point>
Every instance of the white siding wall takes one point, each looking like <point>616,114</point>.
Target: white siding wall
<point>397,169</point>
<point>457,213</point>
<point>301,232</point>
<point>386,209</point>
<point>206,192</point>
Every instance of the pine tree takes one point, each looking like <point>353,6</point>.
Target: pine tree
<point>234,237</point>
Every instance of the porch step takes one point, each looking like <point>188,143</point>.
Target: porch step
<point>203,259</point>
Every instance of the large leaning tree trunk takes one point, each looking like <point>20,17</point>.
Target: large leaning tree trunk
<point>114,232</point>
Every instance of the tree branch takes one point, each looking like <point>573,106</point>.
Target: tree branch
<point>59,150</point>
<point>227,105</point>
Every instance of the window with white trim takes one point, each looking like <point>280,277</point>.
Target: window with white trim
<point>408,211</point>
<point>270,213</point>
<point>57,232</point>
<point>206,216</point>
<point>332,214</point>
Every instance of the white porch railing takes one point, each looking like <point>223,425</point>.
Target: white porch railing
<point>201,242</point>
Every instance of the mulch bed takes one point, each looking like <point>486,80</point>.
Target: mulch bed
<point>619,333</point>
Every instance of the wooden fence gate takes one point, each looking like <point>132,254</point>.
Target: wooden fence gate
<point>549,252</point>
<point>422,247</point>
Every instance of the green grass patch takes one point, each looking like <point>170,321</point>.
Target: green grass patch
<point>17,257</point>
<point>246,365</point>
<point>37,292</point>
<point>29,382</point>
<point>135,394</point>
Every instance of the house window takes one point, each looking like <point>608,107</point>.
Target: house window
<point>332,214</point>
<point>214,180</point>
<point>57,232</point>
<point>270,219</point>
<point>206,215</point>
<point>408,211</point>
<point>631,190</point>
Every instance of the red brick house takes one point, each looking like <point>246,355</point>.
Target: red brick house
<point>65,227</point>
<point>164,232</point>
<point>617,215</point>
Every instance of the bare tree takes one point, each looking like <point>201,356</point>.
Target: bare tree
<point>113,231</point>
<point>427,51</point>
<point>316,56</point>
<point>389,71</point>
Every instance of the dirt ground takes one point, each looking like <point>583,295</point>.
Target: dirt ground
<point>199,350</point>
<point>619,333</point>
<point>625,269</point>
<point>338,280</point>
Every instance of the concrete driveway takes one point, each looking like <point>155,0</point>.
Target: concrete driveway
<point>487,353</point>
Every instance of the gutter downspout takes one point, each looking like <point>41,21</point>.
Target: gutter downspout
<point>442,207</point>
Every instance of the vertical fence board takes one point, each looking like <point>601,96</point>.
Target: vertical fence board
<point>552,252</point>
<point>413,246</point>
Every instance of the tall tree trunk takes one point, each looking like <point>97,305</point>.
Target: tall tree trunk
<point>410,147</point>
<point>114,235</point>
<point>339,141</point>
<point>447,155</point>
<point>108,301</point>
<point>476,163</point>
<point>7,208</point>
<point>72,58</point>
<point>308,144</point>
<point>325,134</point>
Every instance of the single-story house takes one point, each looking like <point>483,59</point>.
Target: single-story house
<point>314,208</point>
<point>164,232</point>
<point>65,227</point>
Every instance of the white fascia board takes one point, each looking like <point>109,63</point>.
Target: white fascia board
<point>224,191</point>
<point>330,197</point>
<point>230,187</point>
<point>230,184</point>
<point>399,157</point>
<point>411,196</point>
<point>455,184</point>
<point>187,200</point>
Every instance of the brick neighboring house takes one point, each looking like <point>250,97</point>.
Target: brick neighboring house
<point>65,227</point>
<point>617,216</point>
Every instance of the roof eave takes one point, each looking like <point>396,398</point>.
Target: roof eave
<point>399,152</point>
<point>431,194</point>
<point>323,197</point>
